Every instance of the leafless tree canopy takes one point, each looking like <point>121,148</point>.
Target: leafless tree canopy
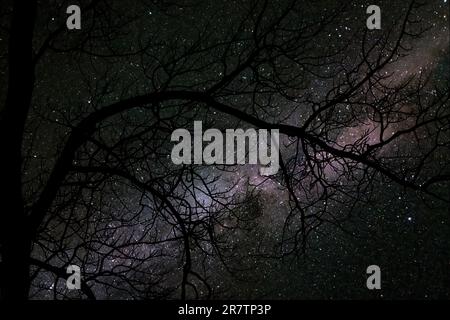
<point>85,132</point>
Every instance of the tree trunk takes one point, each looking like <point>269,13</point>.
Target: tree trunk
<point>14,231</point>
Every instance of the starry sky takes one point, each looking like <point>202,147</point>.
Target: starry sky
<point>360,182</point>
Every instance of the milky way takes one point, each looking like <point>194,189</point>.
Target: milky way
<point>364,139</point>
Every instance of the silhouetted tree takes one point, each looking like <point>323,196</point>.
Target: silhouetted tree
<point>87,177</point>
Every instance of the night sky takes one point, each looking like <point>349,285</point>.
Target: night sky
<point>364,144</point>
